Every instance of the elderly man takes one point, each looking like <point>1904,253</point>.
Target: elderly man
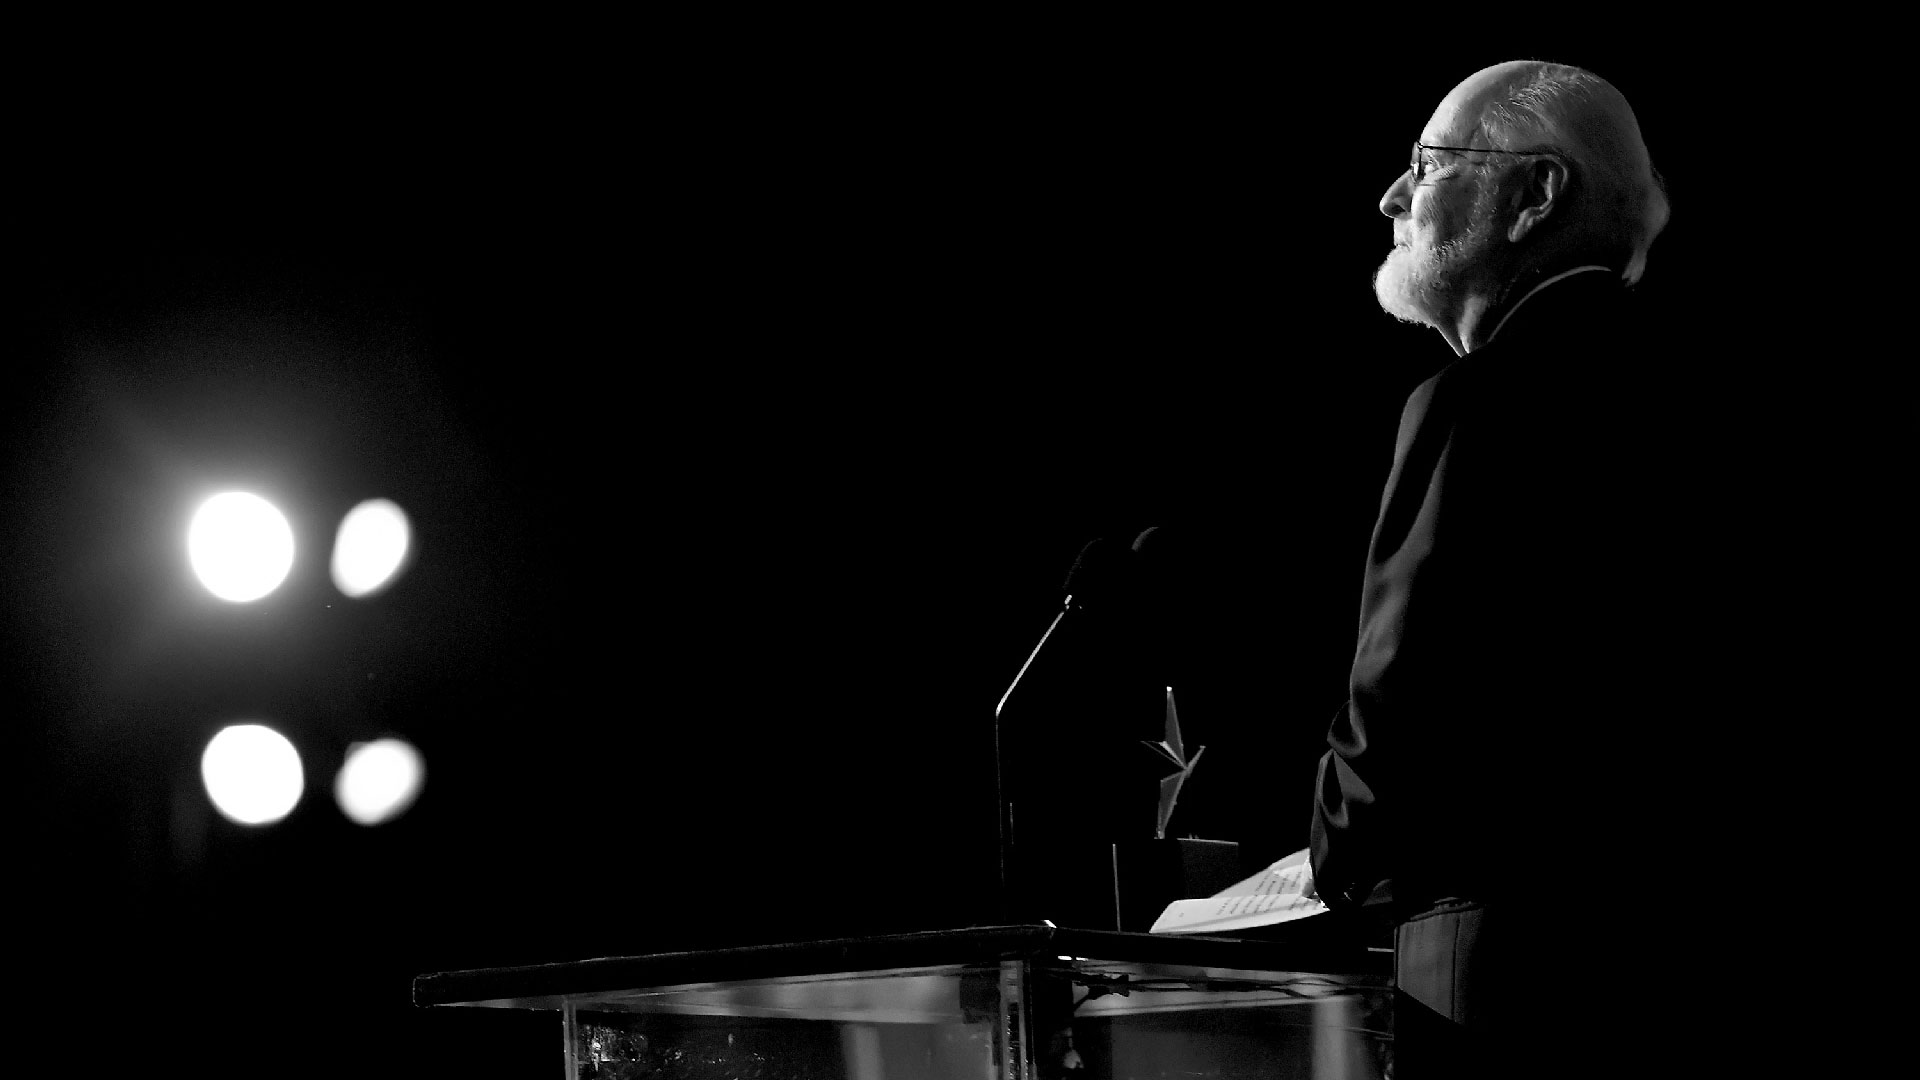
<point>1496,783</point>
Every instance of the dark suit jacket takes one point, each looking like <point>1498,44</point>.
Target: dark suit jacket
<point>1523,619</point>
<point>1613,691</point>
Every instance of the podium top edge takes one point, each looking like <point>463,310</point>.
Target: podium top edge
<point>543,985</point>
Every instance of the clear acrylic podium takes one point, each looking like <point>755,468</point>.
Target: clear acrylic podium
<point>1026,1002</point>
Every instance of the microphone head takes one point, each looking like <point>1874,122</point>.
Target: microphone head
<point>1105,567</point>
<point>1092,563</point>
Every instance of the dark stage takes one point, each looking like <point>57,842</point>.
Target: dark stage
<point>750,417</point>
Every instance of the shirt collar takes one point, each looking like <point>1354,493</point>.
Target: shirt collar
<point>1529,296</point>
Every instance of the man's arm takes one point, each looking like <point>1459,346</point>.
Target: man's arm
<point>1370,768</point>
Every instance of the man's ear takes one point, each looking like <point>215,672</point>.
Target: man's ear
<point>1542,188</point>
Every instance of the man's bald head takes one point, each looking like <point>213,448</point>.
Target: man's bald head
<point>1525,170</point>
<point>1534,105</point>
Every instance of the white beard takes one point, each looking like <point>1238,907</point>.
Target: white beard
<point>1421,285</point>
<point>1400,286</point>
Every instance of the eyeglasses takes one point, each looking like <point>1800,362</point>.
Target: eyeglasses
<point>1420,163</point>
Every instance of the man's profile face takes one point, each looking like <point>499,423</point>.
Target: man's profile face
<point>1443,226</point>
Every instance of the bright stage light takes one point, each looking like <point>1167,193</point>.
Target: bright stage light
<point>240,547</point>
<point>370,547</point>
<point>379,780</point>
<point>252,774</point>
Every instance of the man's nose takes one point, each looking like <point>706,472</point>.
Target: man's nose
<point>1399,196</point>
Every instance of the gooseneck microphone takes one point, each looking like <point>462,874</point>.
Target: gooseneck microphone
<point>1101,572</point>
<point>1093,564</point>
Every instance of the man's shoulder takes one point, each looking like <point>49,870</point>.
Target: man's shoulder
<point>1584,338</point>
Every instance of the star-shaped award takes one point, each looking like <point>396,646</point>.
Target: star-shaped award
<point>1176,754</point>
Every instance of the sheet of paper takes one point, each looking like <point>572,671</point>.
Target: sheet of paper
<point>1275,895</point>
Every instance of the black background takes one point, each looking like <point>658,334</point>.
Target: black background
<point>751,394</point>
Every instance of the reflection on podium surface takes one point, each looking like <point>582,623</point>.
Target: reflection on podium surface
<point>1028,1002</point>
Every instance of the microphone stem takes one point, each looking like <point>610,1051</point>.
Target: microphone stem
<point>1007,902</point>
<point>998,709</point>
